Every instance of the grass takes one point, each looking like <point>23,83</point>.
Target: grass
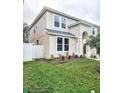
<point>79,76</point>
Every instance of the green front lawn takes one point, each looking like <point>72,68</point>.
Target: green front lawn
<point>79,76</point>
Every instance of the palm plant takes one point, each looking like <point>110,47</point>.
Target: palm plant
<point>94,41</point>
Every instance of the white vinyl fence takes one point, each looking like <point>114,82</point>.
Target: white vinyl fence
<point>32,51</point>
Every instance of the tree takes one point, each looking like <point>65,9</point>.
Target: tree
<point>95,42</point>
<point>25,32</point>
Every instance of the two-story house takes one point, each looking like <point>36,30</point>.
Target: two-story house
<point>60,33</point>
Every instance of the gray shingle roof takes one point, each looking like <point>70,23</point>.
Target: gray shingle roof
<point>56,32</point>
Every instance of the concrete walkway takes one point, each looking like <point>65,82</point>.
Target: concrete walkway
<point>94,59</point>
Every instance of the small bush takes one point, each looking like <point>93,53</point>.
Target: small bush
<point>93,56</point>
<point>63,58</point>
<point>81,56</point>
<point>69,57</point>
<point>52,56</point>
<point>76,56</point>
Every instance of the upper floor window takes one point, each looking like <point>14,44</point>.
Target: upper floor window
<point>34,31</point>
<point>56,21</point>
<point>63,23</point>
<point>93,31</point>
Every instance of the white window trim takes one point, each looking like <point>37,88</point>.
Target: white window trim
<point>54,21</point>
<point>92,30</point>
<point>65,23</point>
<point>60,21</point>
<point>66,44</point>
<point>95,31</point>
<point>63,49</point>
<point>57,44</point>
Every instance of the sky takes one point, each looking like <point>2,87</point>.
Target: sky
<point>88,10</point>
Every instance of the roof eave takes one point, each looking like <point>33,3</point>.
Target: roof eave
<point>42,12</point>
<point>61,35</point>
<point>87,24</point>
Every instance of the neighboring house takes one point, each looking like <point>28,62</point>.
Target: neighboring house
<point>60,33</point>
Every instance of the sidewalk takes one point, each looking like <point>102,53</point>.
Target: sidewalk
<point>94,59</point>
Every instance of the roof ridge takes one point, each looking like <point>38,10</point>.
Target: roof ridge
<point>46,8</point>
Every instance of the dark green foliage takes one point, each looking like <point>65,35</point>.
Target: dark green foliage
<point>25,32</point>
<point>95,42</point>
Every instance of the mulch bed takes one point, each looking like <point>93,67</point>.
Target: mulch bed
<point>59,60</point>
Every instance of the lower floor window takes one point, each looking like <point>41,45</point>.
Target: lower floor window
<point>66,47</point>
<point>62,44</point>
<point>66,44</point>
<point>59,47</point>
<point>59,44</point>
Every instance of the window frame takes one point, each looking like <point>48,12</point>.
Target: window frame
<point>66,44</point>
<point>55,21</point>
<point>63,44</point>
<point>93,31</point>
<point>60,22</point>
<point>59,44</point>
<point>63,23</point>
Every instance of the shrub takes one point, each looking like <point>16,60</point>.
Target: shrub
<point>76,56</point>
<point>63,58</point>
<point>52,56</point>
<point>69,57</point>
<point>81,56</point>
<point>93,56</point>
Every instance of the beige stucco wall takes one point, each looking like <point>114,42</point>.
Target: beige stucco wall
<point>76,31</point>
<point>94,51</point>
<point>84,28</point>
<point>39,28</point>
<point>72,46</point>
<point>50,22</point>
<point>44,40</point>
<point>40,34</point>
<point>53,46</point>
<point>49,41</point>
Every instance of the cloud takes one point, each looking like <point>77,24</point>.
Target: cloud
<point>85,9</point>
